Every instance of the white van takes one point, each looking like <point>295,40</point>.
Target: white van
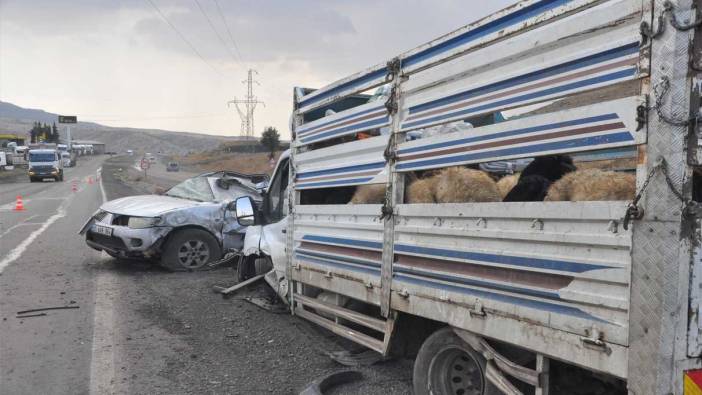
<point>44,163</point>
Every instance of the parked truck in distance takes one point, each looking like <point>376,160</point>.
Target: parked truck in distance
<point>378,224</point>
<point>44,163</point>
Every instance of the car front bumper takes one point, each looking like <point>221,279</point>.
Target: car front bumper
<point>125,241</point>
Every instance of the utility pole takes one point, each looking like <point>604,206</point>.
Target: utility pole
<point>249,105</point>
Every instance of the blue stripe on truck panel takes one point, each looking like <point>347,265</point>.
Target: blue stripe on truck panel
<point>630,72</point>
<point>535,263</point>
<point>570,145</point>
<point>514,300</point>
<point>464,38</point>
<point>510,133</point>
<point>346,169</point>
<point>586,61</point>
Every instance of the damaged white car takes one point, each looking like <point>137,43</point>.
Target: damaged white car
<point>187,227</point>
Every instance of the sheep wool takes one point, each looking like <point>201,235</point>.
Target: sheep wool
<point>422,191</point>
<point>506,183</point>
<point>459,185</point>
<point>369,194</point>
<point>593,185</point>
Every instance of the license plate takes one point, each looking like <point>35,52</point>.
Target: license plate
<point>103,230</point>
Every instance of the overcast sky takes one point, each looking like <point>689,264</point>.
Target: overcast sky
<point>117,62</point>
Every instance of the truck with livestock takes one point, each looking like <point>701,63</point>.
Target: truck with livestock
<point>513,204</point>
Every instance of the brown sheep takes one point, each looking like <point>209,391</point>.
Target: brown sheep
<point>460,185</point>
<point>593,185</point>
<point>422,191</point>
<point>369,194</point>
<point>506,183</point>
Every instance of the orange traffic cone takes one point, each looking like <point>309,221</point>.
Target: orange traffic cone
<point>90,180</point>
<point>74,187</point>
<point>19,206</point>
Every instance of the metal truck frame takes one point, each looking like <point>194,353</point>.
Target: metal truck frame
<point>611,287</point>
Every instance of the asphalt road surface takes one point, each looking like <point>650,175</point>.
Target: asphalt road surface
<point>133,328</point>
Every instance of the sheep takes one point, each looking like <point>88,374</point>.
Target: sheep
<point>538,176</point>
<point>459,185</point>
<point>593,185</point>
<point>506,183</point>
<point>552,167</point>
<point>369,194</point>
<point>422,191</point>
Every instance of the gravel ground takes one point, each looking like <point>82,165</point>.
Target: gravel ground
<point>178,337</point>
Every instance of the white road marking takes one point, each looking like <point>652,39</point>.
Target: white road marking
<point>102,362</point>
<point>21,247</point>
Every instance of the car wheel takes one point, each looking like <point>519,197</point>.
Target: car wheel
<point>32,179</point>
<point>445,364</point>
<point>190,250</point>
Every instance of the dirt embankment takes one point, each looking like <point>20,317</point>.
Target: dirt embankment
<point>252,163</point>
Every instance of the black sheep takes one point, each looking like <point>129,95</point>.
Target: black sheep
<point>537,177</point>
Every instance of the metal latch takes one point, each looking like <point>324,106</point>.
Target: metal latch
<point>593,340</point>
<point>477,310</point>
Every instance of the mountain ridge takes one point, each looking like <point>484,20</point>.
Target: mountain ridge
<point>19,120</point>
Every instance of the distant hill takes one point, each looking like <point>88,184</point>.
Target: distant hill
<point>15,119</point>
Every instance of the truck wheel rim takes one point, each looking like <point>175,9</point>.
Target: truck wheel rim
<point>193,254</point>
<point>456,372</point>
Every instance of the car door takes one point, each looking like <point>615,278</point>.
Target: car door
<point>275,211</point>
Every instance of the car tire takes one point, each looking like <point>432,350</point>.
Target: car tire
<point>61,177</point>
<point>190,250</point>
<point>32,179</point>
<point>446,364</point>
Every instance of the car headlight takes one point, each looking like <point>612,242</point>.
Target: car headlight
<point>142,222</point>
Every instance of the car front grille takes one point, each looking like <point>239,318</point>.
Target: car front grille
<point>107,241</point>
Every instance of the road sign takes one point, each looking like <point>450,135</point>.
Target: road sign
<point>67,119</point>
<point>145,164</point>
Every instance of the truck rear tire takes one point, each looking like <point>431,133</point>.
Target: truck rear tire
<point>190,250</point>
<point>447,365</point>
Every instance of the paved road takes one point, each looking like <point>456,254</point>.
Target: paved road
<point>43,264</point>
<point>137,328</point>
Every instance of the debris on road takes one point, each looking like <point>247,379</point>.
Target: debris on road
<point>268,305</point>
<point>46,309</point>
<point>31,315</point>
<point>363,358</point>
<point>226,291</point>
<point>321,385</point>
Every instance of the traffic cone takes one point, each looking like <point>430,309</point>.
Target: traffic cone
<point>19,206</point>
<point>74,187</point>
<point>90,180</point>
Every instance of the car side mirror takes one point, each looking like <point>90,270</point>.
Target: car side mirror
<point>245,211</point>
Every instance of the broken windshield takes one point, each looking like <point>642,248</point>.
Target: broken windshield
<point>197,189</point>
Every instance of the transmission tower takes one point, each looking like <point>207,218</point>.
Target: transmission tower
<point>249,105</point>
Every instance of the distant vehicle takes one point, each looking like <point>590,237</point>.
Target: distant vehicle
<point>68,159</point>
<point>172,166</point>
<point>130,152</point>
<point>44,163</point>
<point>187,227</point>
<point>62,147</point>
<point>152,159</point>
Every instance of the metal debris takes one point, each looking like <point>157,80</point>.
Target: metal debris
<point>363,358</point>
<point>321,385</point>
<point>225,291</point>
<point>46,309</point>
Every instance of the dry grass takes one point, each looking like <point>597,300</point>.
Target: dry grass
<point>243,163</point>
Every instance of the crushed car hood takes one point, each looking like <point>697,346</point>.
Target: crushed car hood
<point>147,205</point>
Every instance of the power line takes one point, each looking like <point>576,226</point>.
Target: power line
<point>221,40</point>
<point>182,37</point>
<point>226,25</point>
